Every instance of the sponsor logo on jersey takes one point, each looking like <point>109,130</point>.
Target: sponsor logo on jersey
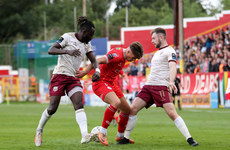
<point>174,56</point>
<point>60,39</point>
<point>118,48</point>
<point>110,56</point>
<point>55,88</point>
<point>115,55</point>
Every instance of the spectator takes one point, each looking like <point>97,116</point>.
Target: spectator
<point>197,69</point>
<point>222,66</point>
<point>144,69</point>
<point>213,66</point>
<point>227,31</point>
<point>208,44</point>
<point>133,69</point>
<point>228,65</point>
<point>186,45</point>
<point>205,65</point>
<point>188,66</point>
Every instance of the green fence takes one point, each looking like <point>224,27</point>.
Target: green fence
<point>34,56</point>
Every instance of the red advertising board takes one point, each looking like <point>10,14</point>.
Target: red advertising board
<point>199,83</point>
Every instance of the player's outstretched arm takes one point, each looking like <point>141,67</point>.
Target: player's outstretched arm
<point>101,60</point>
<point>56,49</point>
<point>96,75</point>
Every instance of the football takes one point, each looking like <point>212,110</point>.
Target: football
<point>95,131</point>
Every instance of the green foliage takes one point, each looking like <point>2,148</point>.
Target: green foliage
<point>22,20</point>
<point>17,18</point>
<point>193,9</point>
<point>226,4</point>
<point>153,131</point>
<point>25,19</point>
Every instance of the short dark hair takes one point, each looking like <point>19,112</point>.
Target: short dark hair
<point>159,31</point>
<point>84,23</point>
<point>137,49</point>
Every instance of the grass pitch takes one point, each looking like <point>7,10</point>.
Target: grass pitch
<point>154,130</point>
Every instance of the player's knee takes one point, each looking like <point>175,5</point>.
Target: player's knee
<point>51,110</point>
<point>133,110</point>
<point>116,104</point>
<point>79,106</point>
<point>172,115</point>
<point>126,110</point>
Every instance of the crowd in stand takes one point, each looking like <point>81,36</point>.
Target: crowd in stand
<point>206,53</point>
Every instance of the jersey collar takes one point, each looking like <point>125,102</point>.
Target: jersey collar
<point>76,35</point>
<point>163,47</point>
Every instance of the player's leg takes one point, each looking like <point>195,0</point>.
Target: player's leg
<point>76,95</point>
<point>112,99</point>
<point>179,122</point>
<point>115,117</point>
<point>178,102</point>
<point>106,93</point>
<point>123,118</point>
<point>48,112</point>
<point>136,106</point>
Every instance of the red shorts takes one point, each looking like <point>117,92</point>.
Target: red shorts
<point>60,84</point>
<point>101,88</point>
<point>155,94</point>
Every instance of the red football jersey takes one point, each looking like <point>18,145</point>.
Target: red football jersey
<point>116,61</point>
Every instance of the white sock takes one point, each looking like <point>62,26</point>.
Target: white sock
<point>120,134</point>
<point>103,131</point>
<point>130,125</point>
<point>44,118</point>
<point>82,121</point>
<point>179,122</point>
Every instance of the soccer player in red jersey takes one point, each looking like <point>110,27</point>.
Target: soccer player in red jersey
<point>106,88</point>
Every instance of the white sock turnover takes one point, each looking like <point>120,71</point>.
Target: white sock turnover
<point>130,125</point>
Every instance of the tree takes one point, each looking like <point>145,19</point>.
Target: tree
<point>17,18</point>
<point>25,19</point>
<point>226,4</point>
<point>146,13</point>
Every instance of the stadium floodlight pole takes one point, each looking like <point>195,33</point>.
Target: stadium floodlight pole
<point>84,14</point>
<point>75,18</point>
<point>126,16</point>
<point>84,7</point>
<point>176,25</point>
<point>127,13</point>
<point>107,25</point>
<point>181,35</point>
<point>45,32</point>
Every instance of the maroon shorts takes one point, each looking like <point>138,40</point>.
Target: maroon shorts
<point>155,94</point>
<point>60,84</point>
<point>102,88</point>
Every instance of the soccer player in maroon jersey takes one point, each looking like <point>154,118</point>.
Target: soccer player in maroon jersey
<point>71,49</point>
<point>106,88</point>
<point>158,87</point>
